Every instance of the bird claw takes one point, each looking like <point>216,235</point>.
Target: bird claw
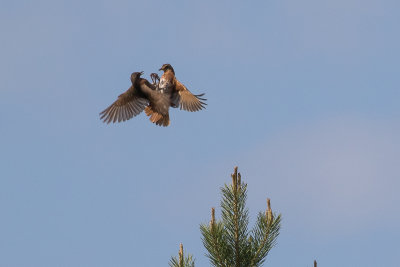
<point>155,78</point>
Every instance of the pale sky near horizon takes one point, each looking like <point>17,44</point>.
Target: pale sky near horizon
<point>302,95</point>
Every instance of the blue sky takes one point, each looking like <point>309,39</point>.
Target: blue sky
<point>302,96</point>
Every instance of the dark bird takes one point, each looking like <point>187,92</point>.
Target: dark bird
<point>180,96</point>
<point>140,95</point>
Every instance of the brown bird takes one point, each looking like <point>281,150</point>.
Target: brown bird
<point>140,95</point>
<point>180,95</point>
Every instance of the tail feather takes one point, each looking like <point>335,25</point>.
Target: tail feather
<point>148,110</point>
<point>157,118</point>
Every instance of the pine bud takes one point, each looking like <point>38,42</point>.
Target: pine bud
<point>234,178</point>
<point>239,180</point>
<point>269,211</point>
<point>180,254</point>
<point>212,222</point>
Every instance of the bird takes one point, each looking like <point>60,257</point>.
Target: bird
<point>142,94</point>
<point>180,96</point>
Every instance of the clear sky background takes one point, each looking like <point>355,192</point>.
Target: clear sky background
<point>302,95</point>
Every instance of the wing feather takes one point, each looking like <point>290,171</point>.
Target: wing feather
<point>183,98</point>
<point>128,105</point>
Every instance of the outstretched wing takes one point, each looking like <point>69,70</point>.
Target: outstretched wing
<point>128,105</point>
<point>183,98</point>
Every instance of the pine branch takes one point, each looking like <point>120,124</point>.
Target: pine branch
<point>213,241</point>
<point>235,219</point>
<point>228,242</point>
<point>264,235</point>
<point>263,245</point>
<point>236,188</point>
<point>182,261</point>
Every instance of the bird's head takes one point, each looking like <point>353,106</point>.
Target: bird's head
<point>136,75</point>
<point>166,67</point>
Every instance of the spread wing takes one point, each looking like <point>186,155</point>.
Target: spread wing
<point>128,105</point>
<point>183,98</point>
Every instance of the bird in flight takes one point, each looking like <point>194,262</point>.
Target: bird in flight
<point>140,95</point>
<point>154,98</point>
<point>180,96</point>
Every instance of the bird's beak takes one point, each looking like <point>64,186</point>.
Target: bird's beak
<point>141,73</point>
<point>160,69</point>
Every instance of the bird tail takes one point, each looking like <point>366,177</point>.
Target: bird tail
<point>157,118</point>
